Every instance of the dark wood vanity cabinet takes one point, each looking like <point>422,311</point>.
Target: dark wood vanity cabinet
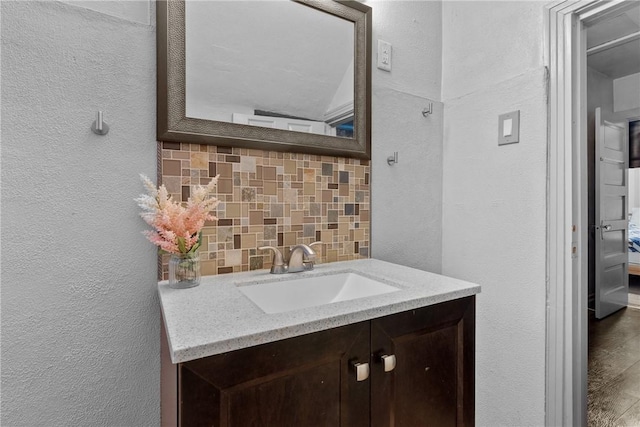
<point>311,380</point>
<point>433,382</point>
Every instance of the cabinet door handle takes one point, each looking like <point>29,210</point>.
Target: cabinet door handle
<point>362,371</point>
<point>389,362</point>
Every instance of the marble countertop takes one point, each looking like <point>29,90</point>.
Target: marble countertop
<point>216,317</point>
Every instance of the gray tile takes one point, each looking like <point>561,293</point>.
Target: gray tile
<point>627,382</point>
<point>605,408</point>
<point>614,369</point>
<point>270,232</point>
<point>315,209</point>
<point>225,234</point>
<point>309,230</point>
<point>631,417</point>
<point>276,210</point>
<point>248,194</point>
<point>605,365</point>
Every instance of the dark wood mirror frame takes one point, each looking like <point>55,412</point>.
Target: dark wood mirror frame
<point>174,126</point>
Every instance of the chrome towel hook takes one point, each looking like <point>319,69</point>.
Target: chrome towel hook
<point>391,160</point>
<point>428,110</point>
<point>99,127</point>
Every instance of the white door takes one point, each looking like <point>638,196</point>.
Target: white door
<point>612,277</point>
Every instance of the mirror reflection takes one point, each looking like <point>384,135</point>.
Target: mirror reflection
<point>276,64</point>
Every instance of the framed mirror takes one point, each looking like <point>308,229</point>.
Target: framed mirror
<point>277,75</point>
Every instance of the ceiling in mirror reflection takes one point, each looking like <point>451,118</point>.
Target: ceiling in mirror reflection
<point>248,60</point>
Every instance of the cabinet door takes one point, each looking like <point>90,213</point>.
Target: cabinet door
<point>432,383</point>
<point>302,381</point>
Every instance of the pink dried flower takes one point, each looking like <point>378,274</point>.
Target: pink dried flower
<point>177,226</point>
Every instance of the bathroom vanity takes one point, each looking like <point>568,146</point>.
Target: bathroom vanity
<point>402,357</point>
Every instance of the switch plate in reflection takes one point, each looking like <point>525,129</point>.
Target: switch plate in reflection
<point>509,128</point>
<point>384,55</point>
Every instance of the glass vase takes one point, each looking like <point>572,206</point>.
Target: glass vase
<point>184,271</point>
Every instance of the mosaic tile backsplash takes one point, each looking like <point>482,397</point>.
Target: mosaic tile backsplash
<point>272,199</point>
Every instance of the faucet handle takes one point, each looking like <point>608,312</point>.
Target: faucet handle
<point>277,263</point>
<point>315,243</point>
<point>307,263</point>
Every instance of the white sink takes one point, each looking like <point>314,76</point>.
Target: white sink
<point>293,294</point>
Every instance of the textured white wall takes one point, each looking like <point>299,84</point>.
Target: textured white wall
<point>406,199</point>
<point>494,203</point>
<point>131,10</point>
<point>80,315</point>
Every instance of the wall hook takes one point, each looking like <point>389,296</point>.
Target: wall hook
<point>391,160</point>
<point>99,127</point>
<point>428,110</point>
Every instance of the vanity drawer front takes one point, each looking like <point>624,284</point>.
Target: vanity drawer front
<point>302,381</point>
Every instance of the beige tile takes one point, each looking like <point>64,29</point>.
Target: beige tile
<point>208,268</point>
<point>233,257</point>
<point>249,241</point>
<point>256,229</point>
<point>182,155</point>
<point>171,167</point>
<point>234,210</point>
<point>173,184</point>
<point>290,167</point>
<point>309,188</point>
<point>269,173</point>
<point>225,186</point>
<point>309,175</point>
<point>199,160</point>
<point>225,170</point>
<point>256,217</point>
<point>343,229</point>
<point>290,195</point>
<point>209,231</point>
<point>270,188</point>
<point>290,239</point>
<point>297,217</point>
<point>327,236</point>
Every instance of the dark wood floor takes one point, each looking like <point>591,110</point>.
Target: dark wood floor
<point>614,369</point>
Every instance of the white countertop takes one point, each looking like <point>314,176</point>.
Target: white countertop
<point>216,317</point>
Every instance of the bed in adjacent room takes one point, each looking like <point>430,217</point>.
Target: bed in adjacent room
<point>634,242</point>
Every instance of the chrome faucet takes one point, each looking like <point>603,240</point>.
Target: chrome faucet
<point>309,263</point>
<point>301,258</point>
<point>296,257</point>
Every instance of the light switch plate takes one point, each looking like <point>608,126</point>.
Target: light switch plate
<point>509,121</point>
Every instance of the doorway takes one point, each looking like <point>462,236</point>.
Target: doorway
<point>569,232</point>
<point>613,98</point>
